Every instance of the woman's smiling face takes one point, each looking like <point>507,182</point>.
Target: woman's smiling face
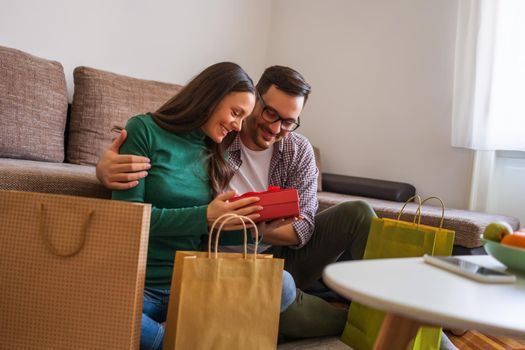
<point>229,115</point>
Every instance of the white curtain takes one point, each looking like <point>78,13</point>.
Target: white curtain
<point>489,80</point>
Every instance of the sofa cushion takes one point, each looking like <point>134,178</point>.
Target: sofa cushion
<point>58,178</point>
<point>33,107</point>
<point>103,100</point>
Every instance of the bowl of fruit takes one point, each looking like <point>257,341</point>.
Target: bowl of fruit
<point>506,246</point>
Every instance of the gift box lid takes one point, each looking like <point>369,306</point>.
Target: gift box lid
<point>274,195</point>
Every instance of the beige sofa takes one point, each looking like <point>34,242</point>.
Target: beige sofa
<point>43,148</point>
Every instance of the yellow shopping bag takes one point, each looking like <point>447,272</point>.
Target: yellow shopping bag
<point>224,300</point>
<point>396,239</point>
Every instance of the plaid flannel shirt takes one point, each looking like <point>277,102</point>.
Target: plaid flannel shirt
<point>292,166</point>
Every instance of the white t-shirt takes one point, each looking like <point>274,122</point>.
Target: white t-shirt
<point>252,176</point>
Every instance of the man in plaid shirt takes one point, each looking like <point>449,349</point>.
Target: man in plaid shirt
<point>267,151</point>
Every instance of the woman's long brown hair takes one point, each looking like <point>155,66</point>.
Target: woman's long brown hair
<point>191,108</point>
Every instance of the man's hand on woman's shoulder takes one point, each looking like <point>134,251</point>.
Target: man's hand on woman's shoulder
<point>121,171</point>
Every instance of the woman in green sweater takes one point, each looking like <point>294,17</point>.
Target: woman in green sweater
<point>184,141</point>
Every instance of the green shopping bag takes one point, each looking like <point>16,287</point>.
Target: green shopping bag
<point>397,239</point>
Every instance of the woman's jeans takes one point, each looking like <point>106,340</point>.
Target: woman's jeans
<point>155,308</point>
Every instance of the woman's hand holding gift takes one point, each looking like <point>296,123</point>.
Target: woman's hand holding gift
<point>221,205</point>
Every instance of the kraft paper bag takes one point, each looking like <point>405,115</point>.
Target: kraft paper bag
<point>224,300</point>
<point>71,271</point>
<point>396,239</point>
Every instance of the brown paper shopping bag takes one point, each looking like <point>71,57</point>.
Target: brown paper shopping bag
<point>71,271</point>
<point>224,300</point>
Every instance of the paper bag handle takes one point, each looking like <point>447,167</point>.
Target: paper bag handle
<point>242,218</point>
<point>47,240</point>
<point>442,209</point>
<point>228,217</point>
<point>210,236</point>
<point>418,207</point>
<point>420,204</point>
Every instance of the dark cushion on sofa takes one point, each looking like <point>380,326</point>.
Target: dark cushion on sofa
<point>361,186</point>
<point>33,107</point>
<point>103,100</point>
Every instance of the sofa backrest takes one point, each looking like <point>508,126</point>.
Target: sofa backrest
<point>103,100</point>
<point>33,107</point>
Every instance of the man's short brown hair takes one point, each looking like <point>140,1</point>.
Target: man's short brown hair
<point>285,79</point>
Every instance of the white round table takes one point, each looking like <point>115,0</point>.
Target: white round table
<point>414,293</point>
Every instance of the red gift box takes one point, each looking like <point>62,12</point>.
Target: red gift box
<point>276,203</point>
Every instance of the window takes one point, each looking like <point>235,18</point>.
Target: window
<point>489,80</point>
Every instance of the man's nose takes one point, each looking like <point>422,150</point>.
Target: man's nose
<point>276,127</point>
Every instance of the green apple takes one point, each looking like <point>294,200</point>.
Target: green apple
<point>495,231</point>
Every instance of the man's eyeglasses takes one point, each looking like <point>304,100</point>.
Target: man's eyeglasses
<point>272,116</point>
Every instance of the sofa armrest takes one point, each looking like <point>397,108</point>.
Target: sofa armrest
<point>365,187</point>
<point>468,225</point>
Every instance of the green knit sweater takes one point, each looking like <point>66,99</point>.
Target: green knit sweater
<point>177,187</point>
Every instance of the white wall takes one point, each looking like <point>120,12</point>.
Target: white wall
<point>167,40</point>
<point>381,70</point>
<point>382,77</point>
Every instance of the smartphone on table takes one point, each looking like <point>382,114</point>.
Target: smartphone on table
<point>469,269</point>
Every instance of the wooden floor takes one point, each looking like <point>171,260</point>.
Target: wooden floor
<point>473,340</point>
